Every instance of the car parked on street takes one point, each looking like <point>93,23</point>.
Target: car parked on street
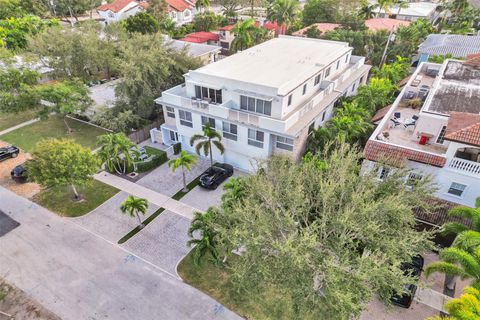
<point>19,174</point>
<point>215,175</point>
<point>413,268</point>
<point>8,152</point>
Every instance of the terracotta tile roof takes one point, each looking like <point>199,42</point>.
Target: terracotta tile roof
<point>118,5</point>
<point>227,28</point>
<point>322,27</point>
<point>271,25</point>
<point>464,128</point>
<point>385,24</point>
<point>381,113</point>
<point>201,37</point>
<point>396,155</point>
<point>179,5</point>
<point>439,213</point>
<point>473,60</point>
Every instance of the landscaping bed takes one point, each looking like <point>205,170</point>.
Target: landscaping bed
<point>143,168</point>
<point>60,199</point>
<point>54,127</point>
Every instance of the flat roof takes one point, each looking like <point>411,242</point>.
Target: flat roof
<point>458,90</point>
<point>282,63</point>
<point>193,49</point>
<point>416,9</point>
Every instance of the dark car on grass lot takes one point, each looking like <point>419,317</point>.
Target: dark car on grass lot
<point>8,152</point>
<point>413,268</point>
<point>215,175</point>
<point>19,174</point>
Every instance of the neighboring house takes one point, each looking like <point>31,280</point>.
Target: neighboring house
<point>459,46</point>
<point>120,9</point>
<point>206,53</point>
<point>227,36</point>
<point>438,137</point>
<point>180,11</point>
<point>204,37</point>
<point>374,24</point>
<point>18,62</point>
<point>265,100</point>
<point>321,27</point>
<point>414,11</point>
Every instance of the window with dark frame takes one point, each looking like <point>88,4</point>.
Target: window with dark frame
<point>256,105</point>
<point>284,143</point>
<point>208,120</point>
<point>185,118</point>
<point>456,189</point>
<point>255,138</point>
<point>441,135</point>
<point>170,112</point>
<point>214,95</point>
<point>383,173</point>
<point>317,79</point>
<point>229,130</point>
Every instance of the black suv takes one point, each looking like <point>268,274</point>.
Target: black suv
<point>8,152</point>
<point>215,175</point>
<point>19,174</point>
<point>415,269</point>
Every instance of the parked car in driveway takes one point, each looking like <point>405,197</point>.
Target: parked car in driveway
<point>215,175</point>
<point>8,152</point>
<point>19,174</point>
<point>413,268</point>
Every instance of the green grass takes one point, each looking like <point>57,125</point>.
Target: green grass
<point>60,199</point>
<point>8,120</point>
<point>138,229</point>
<point>27,137</point>
<point>180,194</point>
<point>215,281</point>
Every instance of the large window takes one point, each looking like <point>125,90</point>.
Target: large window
<point>456,189</point>
<point>185,118</point>
<point>205,93</point>
<point>441,135</point>
<point>170,112</point>
<point>208,120</point>
<point>230,131</point>
<point>413,179</point>
<point>255,138</point>
<point>173,135</point>
<point>284,143</point>
<point>256,105</point>
<point>383,173</point>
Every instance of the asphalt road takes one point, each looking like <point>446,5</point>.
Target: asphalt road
<point>79,275</point>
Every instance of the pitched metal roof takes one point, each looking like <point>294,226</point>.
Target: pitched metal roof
<point>459,46</point>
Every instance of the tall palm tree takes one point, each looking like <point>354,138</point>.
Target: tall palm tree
<point>243,31</point>
<point>465,307</point>
<point>234,191</point>
<point>185,161</point>
<point>367,10</point>
<point>202,4</point>
<point>472,214</point>
<point>134,207</point>
<point>400,4</point>
<point>385,6</point>
<point>283,12</point>
<point>116,152</point>
<point>206,243</point>
<point>205,141</point>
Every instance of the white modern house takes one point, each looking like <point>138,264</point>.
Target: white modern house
<point>264,100</point>
<point>413,11</point>
<point>120,9</point>
<point>181,11</point>
<point>439,136</point>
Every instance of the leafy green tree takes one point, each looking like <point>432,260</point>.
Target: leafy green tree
<point>208,21</point>
<point>202,5</point>
<point>134,207</point>
<point>184,161</point>
<point>394,71</point>
<point>326,239</point>
<point>158,9</point>
<point>377,94</point>
<point>14,31</point>
<point>465,307</point>
<point>67,98</point>
<point>316,11</point>
<point>71,8</point>
<point>284,12</point>
<point>230,7</point>
<point>117,152</point>
<point>204,142</point>
<point>357,39</point>
<point>11,9</point>
<point>243,31</point>
<point>313,32</point>
<point>206,242</point>
<point>62,163</point>
<point>16,93</point>
<point>142,22</point>
<point>117,121</point>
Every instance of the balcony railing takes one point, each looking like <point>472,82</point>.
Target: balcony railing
<point>465,166</point>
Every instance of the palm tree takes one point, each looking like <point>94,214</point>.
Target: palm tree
<point>367,10</point>
<point>234,191</point>
<point>202,4</point>
<point>472,214</point>
<point>185,161</point>
<point>283,12</point>
<point>385,6</point>
<point>202,223</point>
<point>206,140</point>
<point>117,152</point>
<point>465,307</point>
<point>401,4</point>
<point>243,31</point>
<point>134,206</point>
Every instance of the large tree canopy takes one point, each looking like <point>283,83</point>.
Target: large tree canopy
<point>320,236</point>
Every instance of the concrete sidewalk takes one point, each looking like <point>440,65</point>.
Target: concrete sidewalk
<point>79,275</point>
<point>154,197</point>
<point>18,126</point>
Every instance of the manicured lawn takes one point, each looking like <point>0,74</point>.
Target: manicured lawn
<point>59,199</point>
<point>215,281</point>
<point>27,137</point>
<point>8,120</point>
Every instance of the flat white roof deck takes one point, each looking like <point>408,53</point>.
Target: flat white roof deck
<point>283,63</point>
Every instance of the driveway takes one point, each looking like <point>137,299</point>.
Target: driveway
<point>79,275</point>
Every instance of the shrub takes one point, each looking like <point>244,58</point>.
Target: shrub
<point>177,147</point>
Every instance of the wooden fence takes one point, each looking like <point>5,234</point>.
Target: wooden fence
<point>143,134</point>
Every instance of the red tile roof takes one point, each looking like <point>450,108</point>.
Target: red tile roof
<point>396,155</point>
<point>118,5</point>
<point>381,113</point>
<point>385,24</point>
<point>322,27</point>
<point>201,37</point>
<point>439,213</point>
<point>464,128</point>
<point>271,25</point>
<point>179,5</point>
<point>227,28</point>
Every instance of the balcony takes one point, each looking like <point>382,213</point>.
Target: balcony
<point>466,166</point>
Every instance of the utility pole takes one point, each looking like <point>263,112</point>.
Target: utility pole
<point>391,37</point>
